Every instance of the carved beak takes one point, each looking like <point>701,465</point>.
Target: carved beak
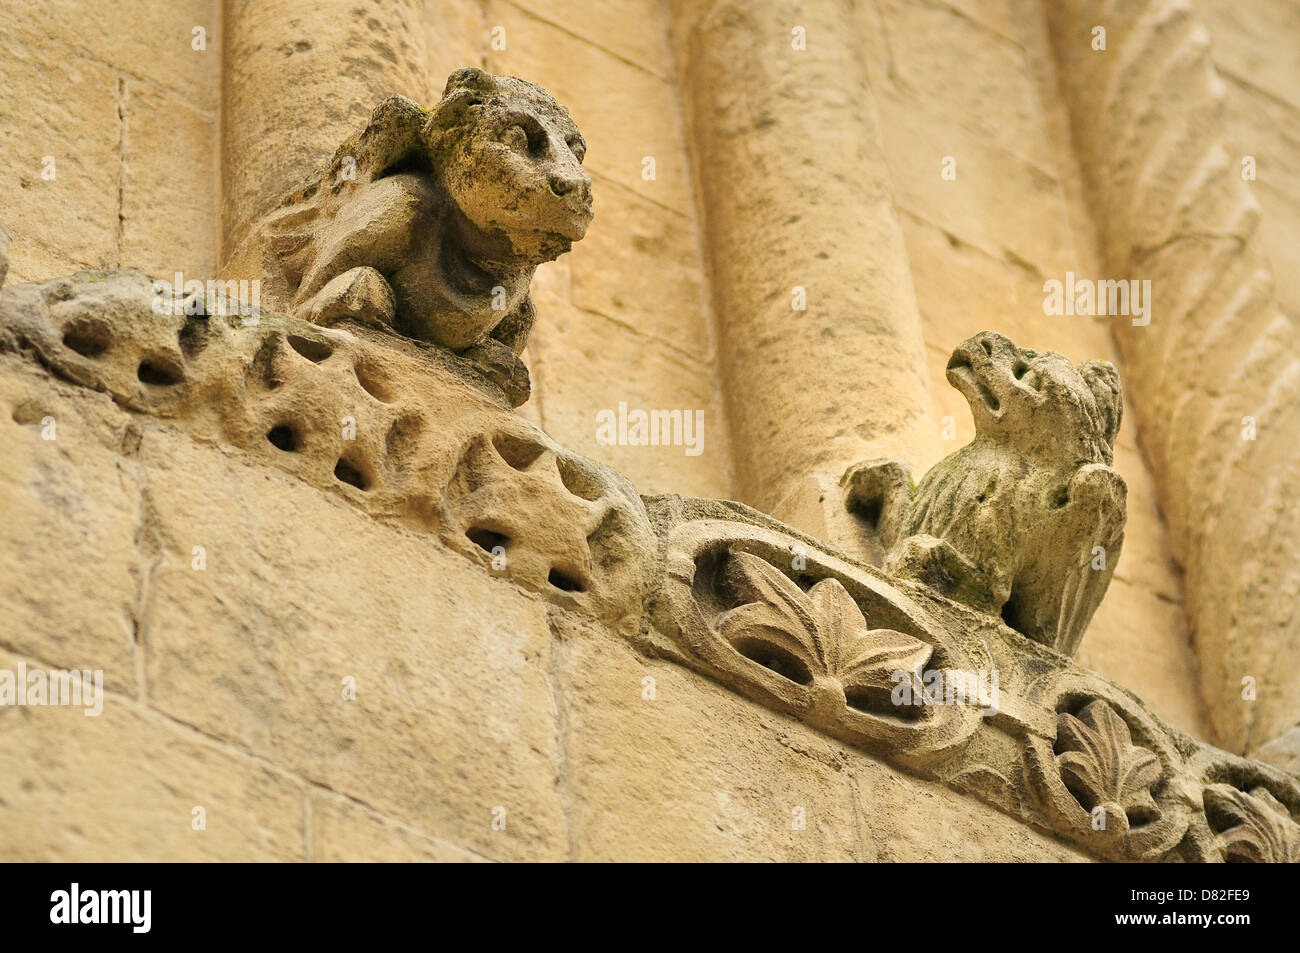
<point>969,371</point>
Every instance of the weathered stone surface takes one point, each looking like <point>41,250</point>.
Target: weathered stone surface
<point>124,785</point>
<point>1028,519</point>
<point>371,505</point>
<point>633,112</point>
<point>74,523</point>
<point>432,222</point>
<point>822,360</point>
<point>713,777</point>
<point>412,436</point>
<point>1215,373</point>
<point>283,60</point>
<point>344,832</point>
<point>452,711</point>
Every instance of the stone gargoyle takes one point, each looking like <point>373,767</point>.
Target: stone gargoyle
<point>431,222</point>
<point>1027,520</point>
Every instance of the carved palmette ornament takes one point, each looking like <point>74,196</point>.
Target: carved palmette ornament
<point>1252,827</point>
<point>825,642</point>
<point>1106,781</point>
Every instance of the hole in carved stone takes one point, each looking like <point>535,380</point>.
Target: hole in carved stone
<point>314,351</point>
<point>578,480</point>
<point>193,337</point>
<point>283,437</point>
<point>1020,369</point>
<point>486,539</point>
<point>87,340</point>
<point>1060,497</point>
<point>373,382</point>
<point>869,511</point>
<point>562,580</point>
<point>158,372</point>
<point>879,701</point>
<point>988,348</point>
<point>519,452</point>
<point>1011,613</point>
<point>775,658</point>
<point>351,475</point>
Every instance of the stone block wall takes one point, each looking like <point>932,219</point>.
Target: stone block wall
<point>156,137</point>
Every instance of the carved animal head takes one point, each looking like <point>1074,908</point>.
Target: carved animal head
<point>1038,401</point>
<point>510,158</point>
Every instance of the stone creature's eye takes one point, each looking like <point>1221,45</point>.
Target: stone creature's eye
<point>516,137</point>
<point>578,148</point>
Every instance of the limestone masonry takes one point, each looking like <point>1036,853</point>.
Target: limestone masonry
<point>580,430</point>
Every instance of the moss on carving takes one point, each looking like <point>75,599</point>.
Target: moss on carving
<point>1027,520</point>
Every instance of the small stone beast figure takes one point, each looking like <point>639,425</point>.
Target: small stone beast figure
<point>432,222</point>
<point>1027,520</point>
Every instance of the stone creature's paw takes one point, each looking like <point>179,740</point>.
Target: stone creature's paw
<point>937,564</point>
<point>503,367</point>
<point>359,294</point>
<point>875,491</point>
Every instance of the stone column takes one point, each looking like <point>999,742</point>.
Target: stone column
<point>1214,365</point>
<point>819,337</point>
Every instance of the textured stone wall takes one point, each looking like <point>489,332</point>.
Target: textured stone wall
<point>128,111</point>
<point>678,298</point>
<point>1215,380</point>
<point>225,689</point>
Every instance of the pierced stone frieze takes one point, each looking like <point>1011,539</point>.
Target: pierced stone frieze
<point>403,431</point>
<point>822,641</point>
<point>1254,827</point>
<point>1107,778</point>
<point>1027,520</point>
<point>431,222</point>
<point>789,623</point>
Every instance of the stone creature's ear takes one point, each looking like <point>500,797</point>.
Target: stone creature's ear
<point>1103,380</point>
<point>466,87</point>
<point>469,79</point>
<point>468,83</point>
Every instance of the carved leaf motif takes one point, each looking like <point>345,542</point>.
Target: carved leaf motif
<point>1254,827</point>
<point>1100,765</point>
<point>818,633</point>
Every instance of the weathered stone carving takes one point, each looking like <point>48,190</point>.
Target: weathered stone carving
<point>395,429</point>
<point>4,255</point>
<point>823,642</point>
<point>404,434</point>
<point>557,523</point>
<point>791,624</point>
<point>1254,827</point>
<point>1104,777</point>
<point>1027,520</point>
<point>1101,766</point>
<point>432,222</point>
